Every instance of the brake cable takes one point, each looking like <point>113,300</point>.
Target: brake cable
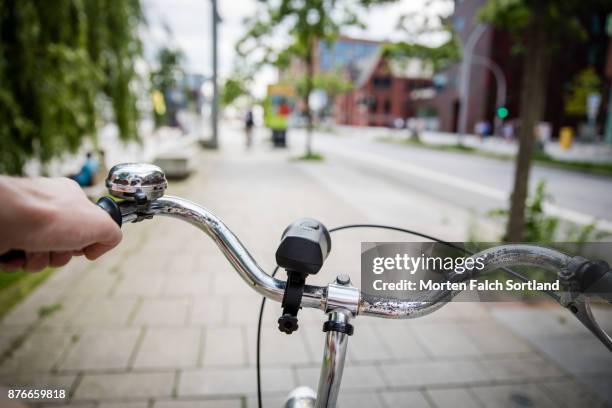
<point>379,226</point>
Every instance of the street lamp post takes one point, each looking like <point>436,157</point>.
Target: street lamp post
<point>214,141</point>
<point>500,79</point>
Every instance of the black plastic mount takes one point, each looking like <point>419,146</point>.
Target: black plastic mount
<point>339,327</point>
<point>292,299</point>
<point>303,248</point>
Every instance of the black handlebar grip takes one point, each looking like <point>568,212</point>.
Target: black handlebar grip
<point>111,207</point>
<point>106,203</point>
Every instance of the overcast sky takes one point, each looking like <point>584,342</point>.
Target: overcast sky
<point>189,22</point>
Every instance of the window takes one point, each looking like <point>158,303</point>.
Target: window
<point>387,106</point>
<point>382,82</point>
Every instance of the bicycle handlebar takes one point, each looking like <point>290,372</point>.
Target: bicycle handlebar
<point>319,297</point>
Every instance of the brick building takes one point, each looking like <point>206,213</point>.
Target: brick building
<point>497,46</point>
<point>382,90</point>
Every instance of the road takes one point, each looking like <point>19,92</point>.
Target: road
<point>474,183</point>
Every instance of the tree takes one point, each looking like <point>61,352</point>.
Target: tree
<point>539,27</point>
<point>307,22</point>
<point>585,83</point>
<point>421,26</point>
<point>164,80</point>
<point>61,63</point>
<point>332,82</point>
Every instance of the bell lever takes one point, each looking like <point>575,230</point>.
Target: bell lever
<point>304,247</point>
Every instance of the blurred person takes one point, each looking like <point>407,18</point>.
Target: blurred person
<point>51,220</point>
<point>508,131</point>
<point>85,176</point>
<point>248,127</point>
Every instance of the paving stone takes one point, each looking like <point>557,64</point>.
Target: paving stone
<point>400,340</point>
<point>185,284</point>
<point>601,384</point>
<point>27,312</point>
<point>267,401</point>
<point>359,400</point>
<point>224,346</point>
<point>216,403</point>
<point>452,398</point>
<point>523,395</point>
<point>61,313</point>
<point>490,339</point>
<point>9,334</point>
<point>233,381</point>
<point>571,394</point>
<point>38,353</point>
<point>95,282</point>
<point>125,404</point>
<point>208,310</point>
<point>125,385</point>
<point>454,342</point>
<point>278,348</point>
<point>521,368</point>
<point>354,377</point>
<point>434,373</point>
<point>412,399</point>
<point>186,262</point>
<point>101,349</point>
<point>169,348</point>
<point>367,345</point>
<point>162,312</point>
<point>578,355</point>
<point>39,381</point>
<point>101,312</point>
<point>140,284</point>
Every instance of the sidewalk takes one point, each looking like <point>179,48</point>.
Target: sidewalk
<point>579,152</point>
<point>163,321</point>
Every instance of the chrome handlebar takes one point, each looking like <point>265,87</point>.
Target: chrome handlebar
<point>330,297</point>
<point>142,187</point>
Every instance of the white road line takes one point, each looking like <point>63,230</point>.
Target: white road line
<point>467,185</point>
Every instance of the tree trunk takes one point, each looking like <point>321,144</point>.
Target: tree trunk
<point>309,85</point>
<point>533,100</point>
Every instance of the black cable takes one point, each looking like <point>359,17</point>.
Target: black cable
<point>387,227</point>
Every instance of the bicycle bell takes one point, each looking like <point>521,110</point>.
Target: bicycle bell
<point>136,181</point>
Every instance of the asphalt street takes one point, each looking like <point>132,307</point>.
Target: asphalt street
<point>473,183</point>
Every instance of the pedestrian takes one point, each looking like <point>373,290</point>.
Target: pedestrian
<point>51,220</point>
<point>88,171</point>
<point>248,127</point>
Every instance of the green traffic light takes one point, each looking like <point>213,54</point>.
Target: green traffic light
<point>502,112</point>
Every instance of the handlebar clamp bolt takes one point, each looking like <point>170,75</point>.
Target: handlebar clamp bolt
<point>343,279</point>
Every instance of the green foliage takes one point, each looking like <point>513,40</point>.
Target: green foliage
<point>15,286</point>
<point>232,89</point>
<point>305,22</point>
<point>420,24</point>
<point>545,229</point>
<point>585,83</point>
<point>331,82</point>
<point>561,18</point>
<point>60,63</point>
<point>441,57</point>
<point>165,77</point>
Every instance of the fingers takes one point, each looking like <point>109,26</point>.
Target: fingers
<point>36,261</point>
<point>95,251</point>
<point>58,259</point>
<point>13,265</point>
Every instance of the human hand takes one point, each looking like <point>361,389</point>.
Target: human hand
<point>52,220</point>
